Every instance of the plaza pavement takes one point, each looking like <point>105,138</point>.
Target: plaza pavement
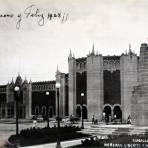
<point>8,127</point>
<point>101,130</point>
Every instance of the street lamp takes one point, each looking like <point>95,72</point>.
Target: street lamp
<point>82,95</point>
<point>58,85</point>
<point>17,91</point>
<point>104,116</point>
<point>47,94</point>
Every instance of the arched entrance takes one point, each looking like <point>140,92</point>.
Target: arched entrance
<point>37,111</point>
<point>107,112</point>
<point>84,109</point>
<point>78,111</point>
<point>50,111</point>
<point>117,112</point>
<point>43,111</point>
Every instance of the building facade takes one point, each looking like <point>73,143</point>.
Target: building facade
<point>95,85</point>
<point>107,83</point>
<point>35,98</point>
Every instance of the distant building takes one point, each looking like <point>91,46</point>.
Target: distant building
<point>103,84</point>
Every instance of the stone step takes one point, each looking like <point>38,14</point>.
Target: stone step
<point>114,131</point>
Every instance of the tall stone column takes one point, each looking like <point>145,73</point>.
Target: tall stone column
<point>7,100</point>
<point>95,86</point>
<point>29,112</point>
<point>63,94</point>
<point>60,78</point>
<point>27,99</point>
<point>128,78</point>
<point>72,84</point>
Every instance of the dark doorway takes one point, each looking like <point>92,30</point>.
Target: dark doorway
<point>107,111</point>
<point>43,111</point>
<point>84,112</point>
<point>37,111</point>
<point>78,111</point>
<point>118,112</point>
<point>50,112</point>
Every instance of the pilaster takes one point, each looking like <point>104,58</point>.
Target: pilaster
<point>60,78</point>
<point>27,99</point>
<point>95,86</point>
<point>128,77</point>
<point>72,85</point>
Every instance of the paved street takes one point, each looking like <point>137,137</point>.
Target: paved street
<point>8,128</point>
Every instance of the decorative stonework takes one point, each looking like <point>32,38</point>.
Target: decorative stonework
<point>111,65</point>
<point>80,67</point>
<point>43,87</point>
<point>80,64</point>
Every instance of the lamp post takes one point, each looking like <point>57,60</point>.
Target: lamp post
<point>82,95</point>
<point>58,85</point>
<point>47,94</point>
<point>17,91</point>
<point>104,116</point>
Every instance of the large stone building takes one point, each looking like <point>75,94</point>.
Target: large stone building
<point>95,84</point>
<point>106,81</point>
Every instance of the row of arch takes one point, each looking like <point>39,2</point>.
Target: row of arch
<point>44,111</point>
<point>81,110</point>
<point>108,110</point>
<point>113,111</point>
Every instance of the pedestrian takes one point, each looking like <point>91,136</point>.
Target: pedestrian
<point>110,118</point>
<point>129,120</point>
<point>107,119</point>
<point>34,122</point>
<point>115,121</point>
<point>93,119</point>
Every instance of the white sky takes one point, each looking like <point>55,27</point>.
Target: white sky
<point>35,51</point>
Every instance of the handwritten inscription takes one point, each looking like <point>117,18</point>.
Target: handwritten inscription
<point>32,12</point>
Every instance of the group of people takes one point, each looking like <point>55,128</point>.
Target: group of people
<point>94,121</point>
<point>107,118</point>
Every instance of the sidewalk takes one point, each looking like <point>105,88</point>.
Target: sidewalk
<point>64,144</point>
